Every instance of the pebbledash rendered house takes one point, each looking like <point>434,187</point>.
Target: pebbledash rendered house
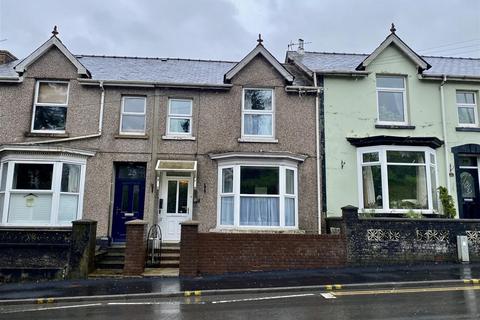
<point>230,144</point>
<point>250,147</point>
<point>396,127</point>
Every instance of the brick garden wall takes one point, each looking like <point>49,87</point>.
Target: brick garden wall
<point>374,241</point>
<point>218,253</point>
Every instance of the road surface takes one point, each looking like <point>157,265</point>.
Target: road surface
<point>434,303</point>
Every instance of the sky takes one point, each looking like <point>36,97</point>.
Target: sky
<point>228,29</point>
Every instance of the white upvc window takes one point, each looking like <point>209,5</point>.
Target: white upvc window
<point>50,106</point>
<point>132,119</point>
<point>41,193</point>
<point>179,119</point>
<point>257,195</point>
<point>394,179</point>
<point>391,100</point>
<point>258,113</point>
<point>467,109</point>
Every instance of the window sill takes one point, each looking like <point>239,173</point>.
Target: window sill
<point>394,126</point>
<point>272,230</point>
<point>46,135</point>
<point>131,136</point>
<point>468,129</point>
<point>257,140</point>
<point>188,138</point>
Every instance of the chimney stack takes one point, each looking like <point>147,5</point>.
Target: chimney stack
<point>6,57</point>
<point>301,48</point>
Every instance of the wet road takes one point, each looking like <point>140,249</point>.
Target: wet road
<point>422,303</point>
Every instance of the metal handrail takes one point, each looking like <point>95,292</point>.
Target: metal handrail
<point>154,245</point>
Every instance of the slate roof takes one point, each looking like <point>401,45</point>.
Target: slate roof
<point>6,70</point>
<point>347,62</point>
<point>177,71</point>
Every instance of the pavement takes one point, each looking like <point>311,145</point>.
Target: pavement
<point>255,282</point>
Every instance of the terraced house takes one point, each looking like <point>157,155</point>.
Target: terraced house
<point>230,144</point>
<point>397,126</point>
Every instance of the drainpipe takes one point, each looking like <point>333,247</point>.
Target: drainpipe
<point>444,126</point>
<point>95,135</point>
<point>317,138</point>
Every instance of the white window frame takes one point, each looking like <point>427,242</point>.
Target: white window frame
<point>258,112</point>
<point>382,152</point>
<point>55,190</point>
<point>282,165</point>
<point>394,90</point>
<point>171,115</point>
<point>40,104</point>
<point>473,106</point>
<point>144,114</point>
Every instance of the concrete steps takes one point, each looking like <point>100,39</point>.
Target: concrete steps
<point>113,258</point>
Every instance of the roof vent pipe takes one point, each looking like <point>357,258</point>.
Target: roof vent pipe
<point>301,47</point>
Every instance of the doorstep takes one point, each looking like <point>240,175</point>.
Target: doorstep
<point>149,272</point>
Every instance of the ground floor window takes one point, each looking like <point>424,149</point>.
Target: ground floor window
<point>41,193</point>
<point>398,179</point>
<point>257,195</point>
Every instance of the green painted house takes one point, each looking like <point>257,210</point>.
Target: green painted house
<point>395,127</point>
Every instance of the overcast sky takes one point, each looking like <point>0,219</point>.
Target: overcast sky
<point>227,29</point>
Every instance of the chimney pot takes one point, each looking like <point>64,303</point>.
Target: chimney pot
<point>301,47</point>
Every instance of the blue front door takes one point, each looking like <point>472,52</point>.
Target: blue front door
<point>129,200</point>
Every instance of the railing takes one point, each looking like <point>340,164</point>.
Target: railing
<point>154,246</point>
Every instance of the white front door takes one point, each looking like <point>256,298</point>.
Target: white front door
<point>176,198</point>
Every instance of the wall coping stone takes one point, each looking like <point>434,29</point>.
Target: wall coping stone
<point>136,222</point>
<point>190,223</point>
<point>257,231</point>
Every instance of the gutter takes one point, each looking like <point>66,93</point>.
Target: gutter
<point>444,127</point>
<point>451,78</point>
<point>151,84</point>
<point>11,79</point>
<point>95,135</point>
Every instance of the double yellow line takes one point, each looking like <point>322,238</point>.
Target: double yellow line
<point>404,290</point>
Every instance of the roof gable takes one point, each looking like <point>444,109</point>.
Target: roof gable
<point>52,42</point>
<point>259,49</point>
<point>395,40</point>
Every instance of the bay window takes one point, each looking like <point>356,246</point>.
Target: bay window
<point>257,195</point>
<point>41,193</point>
<point>258,114</point>
<point>50,106</point>
<point>397,179</point>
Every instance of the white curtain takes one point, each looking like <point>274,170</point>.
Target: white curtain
<point>368,188</point>
<point>289,212</point>
<point>257,124</point>
<point>226,215</point>
<point>422,188</point>
<point>259,211</point>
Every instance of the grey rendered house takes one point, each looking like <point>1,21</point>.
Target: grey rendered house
<point>230,144</point>
<point>397,126</point>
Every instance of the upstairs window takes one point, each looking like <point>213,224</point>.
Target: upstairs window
<point>391,97</point>
<point>50,107</point>
<point>179,122</point>
<point>258,113</point>
<point>467,109</point>
<point>133,115</point>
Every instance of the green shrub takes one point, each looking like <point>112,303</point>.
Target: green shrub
<point>413,215</point>
<point>447,203</point>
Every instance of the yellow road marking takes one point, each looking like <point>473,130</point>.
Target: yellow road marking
<point>406,290</point>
